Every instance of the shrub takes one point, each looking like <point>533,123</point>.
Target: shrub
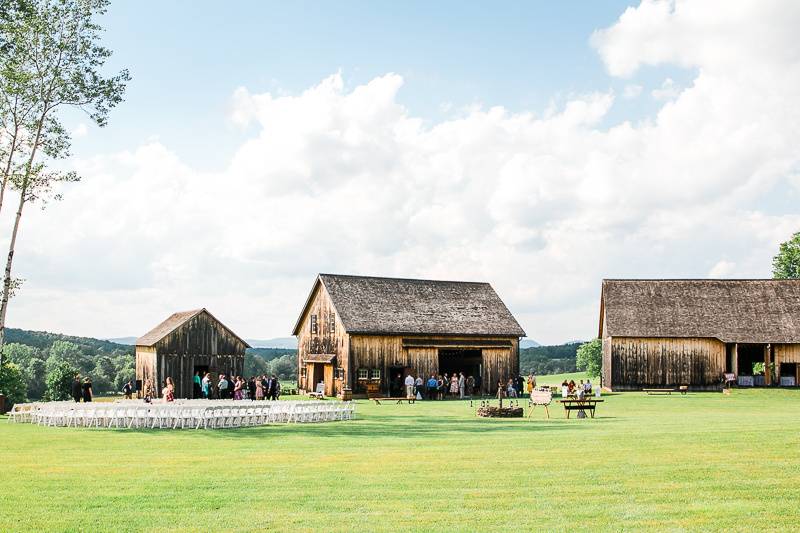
<point>12,383</point>
<point>590,357</point>
<point>59,380</point>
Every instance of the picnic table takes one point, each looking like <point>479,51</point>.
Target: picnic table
<point>400,399</point>
<point>587,404</point>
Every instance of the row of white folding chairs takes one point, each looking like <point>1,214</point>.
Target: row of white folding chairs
<point>173,416</point>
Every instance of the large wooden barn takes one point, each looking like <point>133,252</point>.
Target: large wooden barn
<point>359,333</point>
<point>185,343</point>
<point>665,333</point>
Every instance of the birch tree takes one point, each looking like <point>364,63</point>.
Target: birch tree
<point>52,60</point>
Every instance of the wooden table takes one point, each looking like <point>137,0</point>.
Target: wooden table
<point>580,405</point>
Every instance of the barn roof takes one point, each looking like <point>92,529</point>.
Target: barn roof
<point>396,306</point>
<point>741,310</point>
<point>173,322</point>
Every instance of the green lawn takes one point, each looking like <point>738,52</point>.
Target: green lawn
<point>696,462</point>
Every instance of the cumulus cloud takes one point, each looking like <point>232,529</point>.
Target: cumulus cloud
<point>667,91</point>
<point>345,179</point>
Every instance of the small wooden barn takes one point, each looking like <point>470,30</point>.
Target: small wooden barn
<point>185,343</point>
<point>665,333</point>
<point>359,333</point>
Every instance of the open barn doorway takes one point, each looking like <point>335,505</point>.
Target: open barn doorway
<point>453,361</point>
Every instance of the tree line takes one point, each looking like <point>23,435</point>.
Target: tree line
<point>41,366</point>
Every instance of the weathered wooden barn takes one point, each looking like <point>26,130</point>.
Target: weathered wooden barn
<point>185,343</point>
<point>359,333</point>
<point>664,333</point>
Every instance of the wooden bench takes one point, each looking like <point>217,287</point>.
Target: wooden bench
<point>658,391</point>
<point>378,399</point>
<point>587,404</point>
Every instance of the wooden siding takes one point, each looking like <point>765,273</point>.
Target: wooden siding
<point>384,352</point>
<point>201,334</point>
<point>787,353</point>
<point>659,362</point>
<point>328,339</point>
<point>201,341</point>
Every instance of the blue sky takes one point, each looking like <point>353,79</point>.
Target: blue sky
<point>187,57</point>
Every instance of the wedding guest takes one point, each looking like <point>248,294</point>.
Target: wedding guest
<point>76,388</point>
<point>433,387</point>
<point>197,386</point>
<point>87,389</point>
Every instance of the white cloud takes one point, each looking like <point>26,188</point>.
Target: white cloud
<point>81,130</point>
<point>668,91</point>
<point>722,269</point>
<point>632,91</point>
<point>348,180</point>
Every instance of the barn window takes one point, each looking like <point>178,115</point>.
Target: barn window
<point>313,324</point>
<point>376,373</point>
<point>363,373</point>
<point>332,326</point>
<point>339,373</point>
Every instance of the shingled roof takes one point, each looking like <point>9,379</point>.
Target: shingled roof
<point>173,322</point>
<point>394,306</point>
<point>755,310</point>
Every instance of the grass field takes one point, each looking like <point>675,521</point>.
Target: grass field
<point>696,462</point>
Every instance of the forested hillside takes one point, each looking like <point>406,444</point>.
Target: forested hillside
<point>40,354</point>
<point>542,360</point>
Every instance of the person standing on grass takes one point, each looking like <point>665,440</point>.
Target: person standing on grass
<point>169,390</point>
<point>87,389</point>
<point>409,382</point>
<point>273,387</point>
<point>251,388</point>
<point>222,387</point>
<point>237,388</point>
<point>470,386</point>
<point>453,385</point>
<point>418,385</point>
<point>127,390</point>
<point>433,387</point>
<point>259,388</point>
<point>205,386</point>
<point>197,386</point>
<point>76,388</point>
<point>462,382</point>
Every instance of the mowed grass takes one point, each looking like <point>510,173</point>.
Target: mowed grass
<point>695,462</point>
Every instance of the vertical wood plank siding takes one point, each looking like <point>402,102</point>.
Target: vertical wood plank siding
<point>660,362</point>
<point>201,341</point>
<point>787,353</point>
<point>382,352</point>
<point>330,338</point>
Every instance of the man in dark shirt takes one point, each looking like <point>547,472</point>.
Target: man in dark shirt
<point>77,391</point>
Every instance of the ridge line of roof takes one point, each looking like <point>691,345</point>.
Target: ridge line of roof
<point>404,279</point>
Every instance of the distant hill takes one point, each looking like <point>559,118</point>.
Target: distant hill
<point>44,340</point>
<point>278,342</point>
<point>528,343</point>
<point>130,341</point>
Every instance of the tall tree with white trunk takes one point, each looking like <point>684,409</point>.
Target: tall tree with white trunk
<point>51,60</point>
